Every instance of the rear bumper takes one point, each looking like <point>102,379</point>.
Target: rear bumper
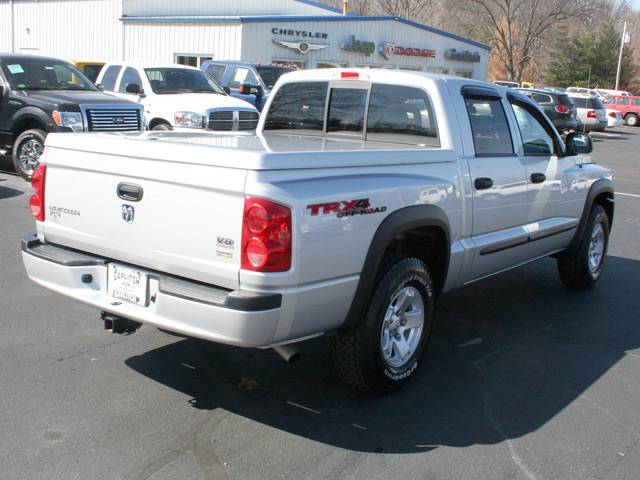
<point>241,318</point>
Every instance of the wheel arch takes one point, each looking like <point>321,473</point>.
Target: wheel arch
<point>154,122</point>
<point>422,231</point>
<point>31,120</point>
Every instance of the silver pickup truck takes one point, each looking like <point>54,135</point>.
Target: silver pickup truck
<point>363,196</point>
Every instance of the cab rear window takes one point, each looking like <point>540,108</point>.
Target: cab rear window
<point>380,113</point>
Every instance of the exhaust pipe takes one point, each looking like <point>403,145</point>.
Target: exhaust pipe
<point>119,325</point>
<point>289,353</point>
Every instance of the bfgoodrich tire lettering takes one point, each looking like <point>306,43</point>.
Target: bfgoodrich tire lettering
<point>358,353</point>
<point>584,267</point>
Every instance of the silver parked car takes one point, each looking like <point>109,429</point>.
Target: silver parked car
<point>592,115</point>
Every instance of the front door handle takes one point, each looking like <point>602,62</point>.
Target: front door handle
<point>482,183</point>
<point>538,177</point>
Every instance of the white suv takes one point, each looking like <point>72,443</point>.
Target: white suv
<point>177,97</point>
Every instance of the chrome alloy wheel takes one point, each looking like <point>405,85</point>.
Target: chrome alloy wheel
<point>402,327</point>
<point>596,248</point>
<point>29,154</point>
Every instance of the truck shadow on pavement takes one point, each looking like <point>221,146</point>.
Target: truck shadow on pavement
<point>7,192</point>
<point>506,356</point>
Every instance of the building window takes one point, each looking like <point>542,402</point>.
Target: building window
<point>331,65</point>
<point>194,60</point>
<point>289,64</point>
<point>464,73</point>
<point>439,70</point>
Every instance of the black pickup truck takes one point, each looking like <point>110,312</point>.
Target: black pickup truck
<point>39,95</point>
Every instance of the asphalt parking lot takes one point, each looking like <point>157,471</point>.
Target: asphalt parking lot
<point>523,380</point>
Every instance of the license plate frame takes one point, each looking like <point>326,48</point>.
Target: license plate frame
<point>128,284</point>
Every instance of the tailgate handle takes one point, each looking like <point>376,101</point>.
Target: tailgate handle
<point>130,192</point>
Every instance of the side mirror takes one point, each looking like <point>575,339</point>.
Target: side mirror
<point>100,86</point>
<point>133,88</point>
<point>578,143</point>
<point>227,90</point>
<point>248,89</point>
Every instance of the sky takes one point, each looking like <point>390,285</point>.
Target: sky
<point>635,4</point>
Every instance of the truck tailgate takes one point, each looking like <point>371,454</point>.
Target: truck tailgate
<point>188,222</point>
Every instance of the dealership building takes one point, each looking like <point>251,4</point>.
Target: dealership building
<point>304,33</point>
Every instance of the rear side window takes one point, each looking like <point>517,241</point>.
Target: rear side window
<point>216,72</point>
<point>622,101</point>
<point>491,135</point>
<point>635,102</point>
<point>401,114</point>
<point>298,106</point>
<point>346,110</point>
<point>110,76</point>
<point>130,76</point>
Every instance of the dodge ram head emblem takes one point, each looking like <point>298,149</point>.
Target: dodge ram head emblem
<point>128,213</point>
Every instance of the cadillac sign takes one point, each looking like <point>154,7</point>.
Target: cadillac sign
<point>461,55</point>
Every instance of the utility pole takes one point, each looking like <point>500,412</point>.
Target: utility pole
<point>623,41</point>
<point>13,28</point>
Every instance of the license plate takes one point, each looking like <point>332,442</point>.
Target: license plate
<point>128,284</point>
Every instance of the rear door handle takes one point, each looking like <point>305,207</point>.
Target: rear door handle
<point>538,177</point>
<point>130,192</point>
<point>482,183</point>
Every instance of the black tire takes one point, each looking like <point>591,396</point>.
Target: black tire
<point>358,353</point>
<point>162,127</point>
<point>631,120</point>
<point>576,270</point>
<point>27,149</point>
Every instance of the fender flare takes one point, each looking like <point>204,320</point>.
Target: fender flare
<point>32,113</point>
<point>401,220</point>
<point>603,185</point>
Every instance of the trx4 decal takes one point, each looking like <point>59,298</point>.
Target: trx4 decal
<point>343,208</point>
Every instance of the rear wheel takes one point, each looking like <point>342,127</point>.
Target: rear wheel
<point>583,268</point>
<point>27,149</point>
<point>631,120</point>
<point>383,352</point>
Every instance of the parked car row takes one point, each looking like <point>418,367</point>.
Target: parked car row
<point>40,95</point>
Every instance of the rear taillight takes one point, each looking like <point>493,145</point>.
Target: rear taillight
<point>562,109</point>
<point>266,236</point>
<point>612,114</point>
<point>36,202</point>
<point>591,114</point>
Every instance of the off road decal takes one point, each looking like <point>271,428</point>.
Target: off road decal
<point>345,208</point>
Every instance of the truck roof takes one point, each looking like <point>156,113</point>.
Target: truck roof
<point>379,75</point>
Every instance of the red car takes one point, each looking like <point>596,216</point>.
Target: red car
<point>629,108</point>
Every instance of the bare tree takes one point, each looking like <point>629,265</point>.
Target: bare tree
<point>411,9</point>
<point>519,27</point>
<point>359,7</point>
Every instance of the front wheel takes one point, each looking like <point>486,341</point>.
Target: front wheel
<point>27,149</point>
<point>584,267</point>
<point>383,352</point>
<point>162,127</point>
